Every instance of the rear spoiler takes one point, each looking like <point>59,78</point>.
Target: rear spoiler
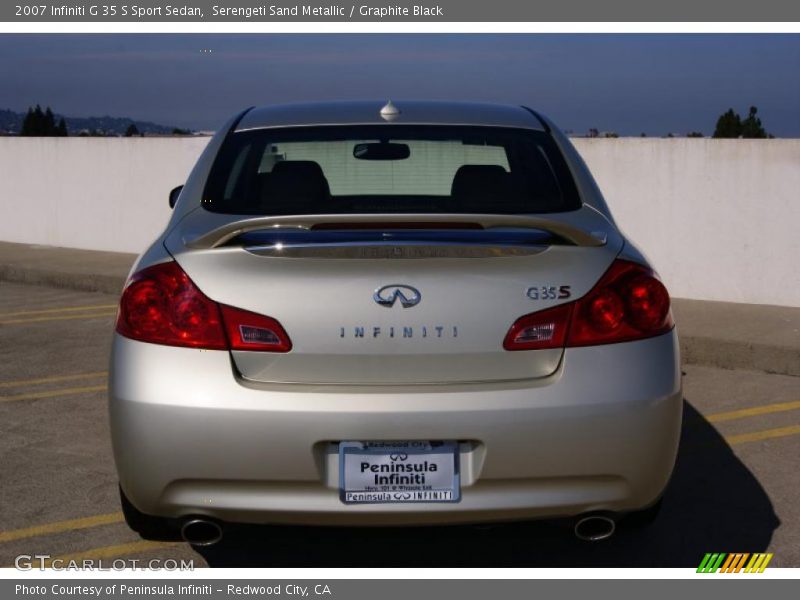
<point>572,234</point>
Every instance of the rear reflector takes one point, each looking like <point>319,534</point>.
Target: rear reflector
<point>161,305</point>
<point>628,303</point>
<point>540,330</point>
<point>251,331</point>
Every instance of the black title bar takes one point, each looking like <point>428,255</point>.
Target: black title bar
<point>402,10</point>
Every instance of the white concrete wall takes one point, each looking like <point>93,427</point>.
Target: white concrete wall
<point>719,218</point>
<point>93,193</point>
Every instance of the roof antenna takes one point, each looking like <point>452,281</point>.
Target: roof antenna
<point>390,112</point>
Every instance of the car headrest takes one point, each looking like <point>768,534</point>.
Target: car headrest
<point>294,185</point>
<point>480,187</point>
<point>299,168</point>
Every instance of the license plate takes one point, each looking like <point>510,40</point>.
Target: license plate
<point>396,472</point>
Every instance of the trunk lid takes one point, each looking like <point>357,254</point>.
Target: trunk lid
<point>417,308</point>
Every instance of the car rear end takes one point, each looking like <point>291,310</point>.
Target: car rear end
<point>406,320</point>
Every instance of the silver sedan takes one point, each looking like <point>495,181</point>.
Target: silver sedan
<point>384,314</point>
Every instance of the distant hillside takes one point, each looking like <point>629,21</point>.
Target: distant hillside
<point>11,122</point>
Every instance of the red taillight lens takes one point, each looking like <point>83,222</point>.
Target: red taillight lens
<point>648,302</point>
<point>628,303</point>
<point>606,311</point>
<point>251,331</point>
<point>161,305</point>
<point>537,331</point>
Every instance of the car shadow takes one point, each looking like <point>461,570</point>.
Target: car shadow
<point>713,504</point>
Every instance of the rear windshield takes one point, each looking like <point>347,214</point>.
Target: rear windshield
<point>389,169</point>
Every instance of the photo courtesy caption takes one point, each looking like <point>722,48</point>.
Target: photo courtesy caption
<point>231,590</point>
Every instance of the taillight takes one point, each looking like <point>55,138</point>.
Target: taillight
<point>628,303</point>
<point>540,330</point>
<point>161,305</point>
<point>251,331</point>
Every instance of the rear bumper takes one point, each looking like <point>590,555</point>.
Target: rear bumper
<point>601,433</point>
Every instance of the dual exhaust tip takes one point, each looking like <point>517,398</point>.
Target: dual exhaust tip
<point>201,532</point>
<point>205,532</point>
<point>594,528</point>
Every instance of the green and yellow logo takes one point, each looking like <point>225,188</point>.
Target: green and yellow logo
<point>719,562</point>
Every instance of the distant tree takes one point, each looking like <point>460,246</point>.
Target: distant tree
<point>38,120</point>
<point>643,134</point>
<point>34,122</point>
<point>132,130</point>
<point>49,123</point>
<point>729,125</point>
<point>179,131</point>
<point>27,123</point>
<point>42,123</point>
<point>751,126</point>
<point>694,134</point>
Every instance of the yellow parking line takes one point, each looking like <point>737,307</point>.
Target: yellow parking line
<point>112,551</point>
<point>54,379</point>
<point>46,311</point>
<point>755,436</point>
<point>61,318</point>
<point>752,412</point>
<point>69,525</point>
<point>54,393</point>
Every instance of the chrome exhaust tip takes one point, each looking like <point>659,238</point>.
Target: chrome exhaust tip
<point>201,532</point>
<point>594,528</point>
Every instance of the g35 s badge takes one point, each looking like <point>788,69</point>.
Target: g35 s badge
<point>548,292</point>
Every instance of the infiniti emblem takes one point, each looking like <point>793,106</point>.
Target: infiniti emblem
<point>389,294</point>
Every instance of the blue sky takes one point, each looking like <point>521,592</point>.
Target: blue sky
<point>626,83</point>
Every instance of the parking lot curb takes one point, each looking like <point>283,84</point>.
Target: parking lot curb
<point>728,354</point>
<point>109,284</point>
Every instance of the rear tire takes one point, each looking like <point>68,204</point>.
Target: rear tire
<point>147,526</point>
